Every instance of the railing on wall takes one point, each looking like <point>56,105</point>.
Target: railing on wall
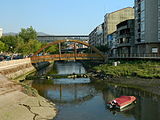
<point>147,56</point>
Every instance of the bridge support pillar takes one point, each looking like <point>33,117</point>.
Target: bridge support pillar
<point>59,51</point>
<point>75,51</point>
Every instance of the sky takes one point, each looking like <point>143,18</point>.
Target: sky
<point>57,17</point>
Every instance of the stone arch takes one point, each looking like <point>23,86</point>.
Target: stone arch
<point>76,41</point>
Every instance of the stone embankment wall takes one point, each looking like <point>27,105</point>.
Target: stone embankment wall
<point>15,68</point>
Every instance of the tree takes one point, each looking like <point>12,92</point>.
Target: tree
<point>10,42</point>
<point>28,34</point>
<point>2,46</point>
<point>20,45</point>
<point>25,42</point>
<point>52,49</point>
<point>32,46</point>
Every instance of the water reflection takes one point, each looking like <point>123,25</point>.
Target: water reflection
<point>71,81</point>
<point>70,67</point>
<point>87,100</point>
<point>77,99</point>
<point>146,108</point>
<point>67,93</point>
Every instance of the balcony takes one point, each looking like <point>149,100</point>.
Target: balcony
<point>124,45</point>
<point>124,36</point>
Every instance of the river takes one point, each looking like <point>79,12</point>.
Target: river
<point>78,99</point>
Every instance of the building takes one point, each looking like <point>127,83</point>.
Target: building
<point>125,38</point>
<point>147,27</point>
<point>112,43</point>
<point>92,37</point>
<point>96,36</point>
<point>114,18</point>
<point>1,32</point>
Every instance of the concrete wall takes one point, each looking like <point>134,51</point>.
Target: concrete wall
<point>114,18</point>
<point>15,68</point>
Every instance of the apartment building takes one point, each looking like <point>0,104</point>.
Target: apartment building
<point>125,38</point>
<point>114,18</point>
<point>96,36</point>
<point>147,26</point>
<point>1,32</point>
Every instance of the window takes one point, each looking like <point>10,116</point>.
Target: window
<point>159,35</point>
<point>142,15</point>
<point>154,50</point>
<point>142,5</point>
<point>142,26</point>
<point>142,36</point>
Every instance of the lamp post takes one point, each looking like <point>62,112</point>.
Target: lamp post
<point>11,52</point>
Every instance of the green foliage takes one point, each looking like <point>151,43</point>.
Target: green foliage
<point>145,69</point>
<point>32,46</point>
<point>28,34</point>
<point>2,46</point>
<point>10,42</point>
<point>19,45</point>
<point>52,49</point>
<point>25,43</point>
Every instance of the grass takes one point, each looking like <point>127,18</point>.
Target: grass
<point>144,69</point>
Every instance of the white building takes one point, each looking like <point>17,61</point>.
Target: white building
<point>96,36</point>
<point>1,32</point>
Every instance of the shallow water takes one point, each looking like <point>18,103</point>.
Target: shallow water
<point>78,99</point>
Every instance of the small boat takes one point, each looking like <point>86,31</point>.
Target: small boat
<point>121,102</point>
<point>125,109</point>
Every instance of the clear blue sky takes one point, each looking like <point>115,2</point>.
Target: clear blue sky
<point>57,16</point>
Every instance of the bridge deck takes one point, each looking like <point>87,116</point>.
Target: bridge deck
<point>57,57</point>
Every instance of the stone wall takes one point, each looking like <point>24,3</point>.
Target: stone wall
<point>15,68</point>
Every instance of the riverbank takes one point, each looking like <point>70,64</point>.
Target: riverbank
<point>16,105</point>
<point>148,85</point>
<point>143,75</point>
<point>19,101</point>
<point>142,69</point>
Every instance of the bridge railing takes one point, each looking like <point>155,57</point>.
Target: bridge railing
<point>65,57</point>
<point>153,55</point>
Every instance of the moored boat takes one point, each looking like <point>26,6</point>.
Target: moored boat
<point>121,102</point>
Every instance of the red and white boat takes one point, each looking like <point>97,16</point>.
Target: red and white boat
<point>121,102</point>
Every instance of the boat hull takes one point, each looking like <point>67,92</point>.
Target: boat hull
<point>121,102</point>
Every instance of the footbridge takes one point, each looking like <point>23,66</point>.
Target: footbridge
<point>95,55</point>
